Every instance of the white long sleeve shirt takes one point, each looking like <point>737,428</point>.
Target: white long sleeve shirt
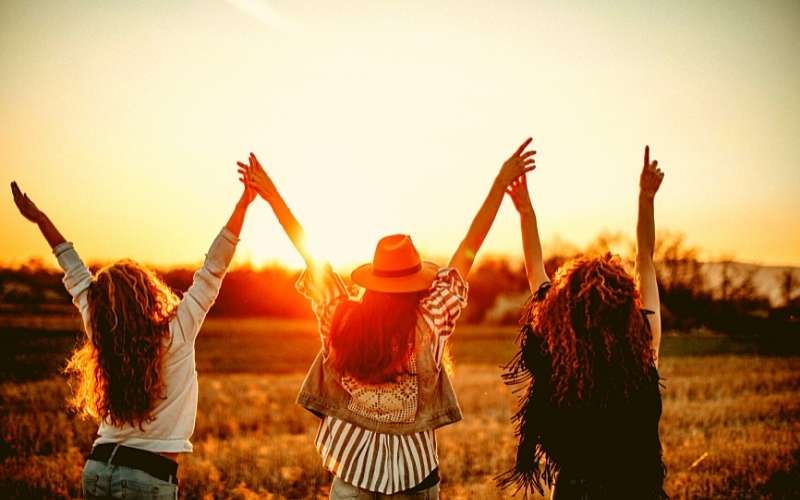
<point>174,415</point>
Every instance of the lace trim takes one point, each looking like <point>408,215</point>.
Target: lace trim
<point>392,402</point>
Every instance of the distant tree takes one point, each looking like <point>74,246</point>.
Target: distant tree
<point>491,278</point>
<point>788,284</point>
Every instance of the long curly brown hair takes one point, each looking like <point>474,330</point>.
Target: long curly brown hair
<point>118,372</point>
<point>587,381</point>
<point>593,328</point>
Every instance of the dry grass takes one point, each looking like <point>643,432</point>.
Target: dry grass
<point>252,441</point>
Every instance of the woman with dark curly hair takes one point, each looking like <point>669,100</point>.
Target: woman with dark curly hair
<point>588,417</point>
<point>136,371</point>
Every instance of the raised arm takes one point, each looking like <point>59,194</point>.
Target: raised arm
<point>77,277</point>
<point>254,174</point>
<point>29,210</point>
<point>649,182</point>
<point>531,245</point>
<point>236,220</point>
<point>207,280</point>
<point>318,283</point>
<point>518,164</point>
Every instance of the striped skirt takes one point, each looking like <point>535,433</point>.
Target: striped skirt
<point>385,463</point>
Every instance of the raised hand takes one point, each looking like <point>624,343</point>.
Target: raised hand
<point>651,177</point>
<point>249,193</point>
<point>518,192</point>
<point>26,207</point>
<point>531,245</point>
<point>649,182</point>
<point>518,164</point>
<point>254,175</point>
<point>29,210</point>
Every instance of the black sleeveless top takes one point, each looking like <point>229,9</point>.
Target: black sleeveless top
<point>596,450</point>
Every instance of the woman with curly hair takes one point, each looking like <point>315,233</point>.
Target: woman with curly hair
<point>136,370</point>
<point>379,384</point>
<point>588,417</point>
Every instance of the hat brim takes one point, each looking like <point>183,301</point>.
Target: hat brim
<point>364,275</point>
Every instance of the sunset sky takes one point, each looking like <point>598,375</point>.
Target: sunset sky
<point>124,120</point>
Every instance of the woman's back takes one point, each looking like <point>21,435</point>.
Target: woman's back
<point>174,411</point>
<point>613,444</point>
<point>592,403</point>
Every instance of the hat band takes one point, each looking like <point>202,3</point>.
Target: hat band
<point>399,273</point>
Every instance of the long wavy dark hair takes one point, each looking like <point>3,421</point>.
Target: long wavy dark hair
<point>117,374</point>
<point>592,325</point>
<point>585,350</point>
<point>372,340</point>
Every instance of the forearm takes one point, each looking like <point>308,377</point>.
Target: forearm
<point>645,229</point>
<point>50,232</point>
<point>532,249</point>
<point>291,226</point>
<point>485,218</point>
<point>468,249</point>
<point>236,219</point>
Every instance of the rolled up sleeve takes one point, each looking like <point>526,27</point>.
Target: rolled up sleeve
<point>207,281</point>
<point>77,278</point>
<point>447,297</point>
<point>325,290</point>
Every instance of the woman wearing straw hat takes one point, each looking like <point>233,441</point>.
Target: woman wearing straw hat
<point>377,383</point>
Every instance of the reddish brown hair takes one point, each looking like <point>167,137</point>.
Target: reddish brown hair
<point>594,330</point>
<point>118,372</point>
<point>372,340</point>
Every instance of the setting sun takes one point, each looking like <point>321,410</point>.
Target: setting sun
<point>377,123</point>
<point>563,241</point>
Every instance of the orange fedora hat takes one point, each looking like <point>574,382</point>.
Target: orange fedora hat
<point>395,268</point>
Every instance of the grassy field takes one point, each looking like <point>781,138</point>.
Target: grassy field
<point>730,429</point>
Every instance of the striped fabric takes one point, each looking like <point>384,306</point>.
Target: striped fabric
<point>442,307</point>
<point>385,463</point>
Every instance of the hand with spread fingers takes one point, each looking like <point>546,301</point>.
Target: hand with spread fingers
<point>531,244</point>
<point>518,164</point>
<point>249,193</point>
<point>651,177</point>
<point>254,175</point>
<point>26,206</point>
<point>518,192</point>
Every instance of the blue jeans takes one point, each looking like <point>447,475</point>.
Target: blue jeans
<point>101,480</point>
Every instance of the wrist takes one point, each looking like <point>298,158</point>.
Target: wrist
<point>269,198</point>
<point>645,196</point>
<point>526,211</point>
<point>499,184</point>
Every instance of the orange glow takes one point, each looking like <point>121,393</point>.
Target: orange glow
<point>125,124</point>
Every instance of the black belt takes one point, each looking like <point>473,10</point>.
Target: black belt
<point>429,482</point>
<point>154,464</point>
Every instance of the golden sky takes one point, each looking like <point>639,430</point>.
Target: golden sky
<point>123,120</point>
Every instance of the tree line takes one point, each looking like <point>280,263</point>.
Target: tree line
<point>722,297</point>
